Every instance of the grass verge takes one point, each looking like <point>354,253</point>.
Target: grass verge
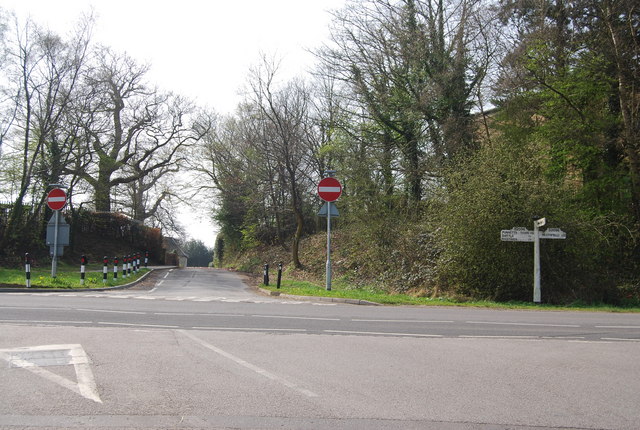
<point>67,278</point>
<point>341,289</point>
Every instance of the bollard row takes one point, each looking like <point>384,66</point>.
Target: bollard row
<point>129,263</point>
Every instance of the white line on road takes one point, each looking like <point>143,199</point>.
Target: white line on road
<point>250,329</point>
<point>166,274</point>
<point>248,365</point>
<point>46,322</point>
<point>619,326</point>
<point>197,314</point>
<point>402,321</point>
<point>497,337</point>
<point>137,325</point>
<point>523,324</point>
<point>295,318</point>
<point>620,338</point>
<point>35,358</point>
<point>563,337</point>
<point>112,312</point>
<point>376,333</point>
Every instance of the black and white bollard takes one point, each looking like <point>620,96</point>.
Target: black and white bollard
<point>129,260</point>
<point>279,275</point>
<point>83,268</point>
<point>266,274</point>
<point>105,268</point>
<point>146,259</point>
<point>124,267</point>
<point>27,269</point>
<point>115,268</point>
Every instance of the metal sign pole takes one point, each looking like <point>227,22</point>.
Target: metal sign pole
<point>54,260</point>
<point>536,265</point>
<point>537,223</point>
<point>329,246</point>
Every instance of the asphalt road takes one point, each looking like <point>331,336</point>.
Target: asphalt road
<point>199,349</point>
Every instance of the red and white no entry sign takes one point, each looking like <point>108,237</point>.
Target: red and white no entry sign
<point>329,189</point>
<point>56,199</point>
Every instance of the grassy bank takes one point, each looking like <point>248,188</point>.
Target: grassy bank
<point>67,278</point>
<point>341,289</point>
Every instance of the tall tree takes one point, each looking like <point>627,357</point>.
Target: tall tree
<point>412,67</point>
<point>129,123</point>
<point>285,113</point>
<point>43,74</point>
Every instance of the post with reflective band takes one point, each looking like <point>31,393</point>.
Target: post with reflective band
<point>265,274</point>
<point>279,275</point>
<point>146,259</point>
<point>83,264</point>
<point>27,269</point>
<point>105,266</point>
<point>115,268</point>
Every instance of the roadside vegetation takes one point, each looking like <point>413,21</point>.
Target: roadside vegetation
<point>341,289</point>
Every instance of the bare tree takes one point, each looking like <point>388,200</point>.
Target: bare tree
<point>43,72</point>
<point>285,112</point>
<point>411,68</point>
<point>130,129</point>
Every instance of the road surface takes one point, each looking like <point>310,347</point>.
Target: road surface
<point>199,349</point>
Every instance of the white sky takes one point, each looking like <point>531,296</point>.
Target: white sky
<point>198,48</point>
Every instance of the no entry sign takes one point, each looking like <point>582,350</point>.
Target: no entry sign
<point>56,199</point>
<point>329,189</point>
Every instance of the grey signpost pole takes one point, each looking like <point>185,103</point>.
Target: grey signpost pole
<point>54,260</point>
<point>536,259</point>
<point>329,190</point>
<point>329,246</point>
<point>56,200</point>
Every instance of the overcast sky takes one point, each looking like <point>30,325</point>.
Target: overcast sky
<point>198,48</point>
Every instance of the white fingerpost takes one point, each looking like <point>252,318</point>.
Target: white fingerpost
<point>521,234</point>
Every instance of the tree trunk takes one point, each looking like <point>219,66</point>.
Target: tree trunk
<point>102,190</point>
<point>296,238</point>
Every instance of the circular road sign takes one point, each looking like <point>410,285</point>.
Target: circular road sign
<point>329,189</point>
<point>56,199</point>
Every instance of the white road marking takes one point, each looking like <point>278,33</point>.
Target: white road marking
<point>497,337</point>
<point>35,358</point>
<point>250,329</point>
<point>295,318</point>
<point>46,322</point>
<point>382,333</point>
<point>248,365</point>
<point>137,325</point>
<point>112,312</point>
<point>618,326</point>
<point>402,321</point>
<point>620,339</point>
<point>563,337</point>
<point>523,324</point>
